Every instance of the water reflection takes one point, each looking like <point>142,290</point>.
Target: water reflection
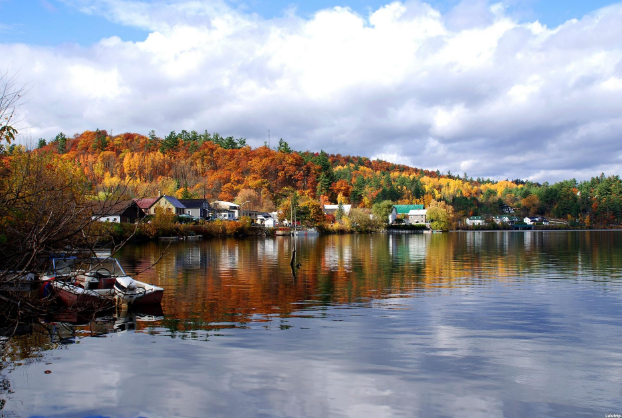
<point>240,281</point>
<point>477,324</point>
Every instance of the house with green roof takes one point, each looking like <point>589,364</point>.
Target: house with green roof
<point>404,211</point>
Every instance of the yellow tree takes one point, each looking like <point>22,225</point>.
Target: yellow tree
<point>440,216</point>
<point>531,203</point>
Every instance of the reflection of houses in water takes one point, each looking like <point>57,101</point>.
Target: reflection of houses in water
<point>413,247</point>
<point>267,249</point>
<point>417,248</point>
<point>337,255</point>
<point>191,256</point>
<point>529,240</point>
<point>501,241</point>
<point>228,257</point>
<point>507,239</point>
<point>534,240</point>
<point>474,240</point>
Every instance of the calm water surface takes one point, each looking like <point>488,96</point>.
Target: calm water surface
<point>482,324</point>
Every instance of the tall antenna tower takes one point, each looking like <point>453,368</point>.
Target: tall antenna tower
<point>268,138</point>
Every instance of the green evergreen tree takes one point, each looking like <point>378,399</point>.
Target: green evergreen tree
<point>185,193</point>
<point>358,189</point>
<point>101,142</point>
<point>417,189</point>
<point>169,143</point>
<point>61,142</point>
<point>340,212</point>
<point>327,176</point>
<point>284,147</point>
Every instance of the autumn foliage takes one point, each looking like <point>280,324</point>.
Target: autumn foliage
<point>193,165</point>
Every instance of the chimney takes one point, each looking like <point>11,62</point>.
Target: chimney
<point>159,193</point>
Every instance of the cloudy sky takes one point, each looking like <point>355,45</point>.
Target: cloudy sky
<point>517,88</point>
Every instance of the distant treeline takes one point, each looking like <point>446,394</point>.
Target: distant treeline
<point>190,164</point>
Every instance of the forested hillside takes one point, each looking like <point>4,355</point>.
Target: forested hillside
<point>207,165</point>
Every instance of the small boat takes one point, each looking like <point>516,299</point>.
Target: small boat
<point>93,282</point>
<point>283,231</point>
<point>306,232</point>
<point>22,282</point>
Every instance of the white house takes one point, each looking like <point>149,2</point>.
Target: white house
<point>402,212</point>
<point>531,220</point>
<point>266,219</point>
<point>476,220</point>
<point>227,206</point>
<point>226,214</point>
<point>417,216</point>
<point>507,219</point>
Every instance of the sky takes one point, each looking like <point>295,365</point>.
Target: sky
<point>526,89</point>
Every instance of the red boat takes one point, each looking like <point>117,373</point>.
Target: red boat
<point>94,282</point>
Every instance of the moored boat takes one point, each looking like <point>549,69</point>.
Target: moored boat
<point>93,282</point>
<point>307,232</point>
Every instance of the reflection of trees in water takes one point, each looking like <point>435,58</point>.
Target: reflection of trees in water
<point>205,291</point>
<point>229,283</point>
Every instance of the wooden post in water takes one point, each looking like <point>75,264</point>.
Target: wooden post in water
<point>292,261</point>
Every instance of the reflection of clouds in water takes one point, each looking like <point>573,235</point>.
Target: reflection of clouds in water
<point>505,340</point>
<point>542,343</point>
<point>450,355</point>
<point>220,380</point>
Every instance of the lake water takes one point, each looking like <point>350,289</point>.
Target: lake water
<point>477,324</point>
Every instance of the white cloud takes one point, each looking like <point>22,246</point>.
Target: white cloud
<point>95,83</point>
<point>470,89</point>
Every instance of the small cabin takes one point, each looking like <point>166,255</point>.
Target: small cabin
<point>124,211</point>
